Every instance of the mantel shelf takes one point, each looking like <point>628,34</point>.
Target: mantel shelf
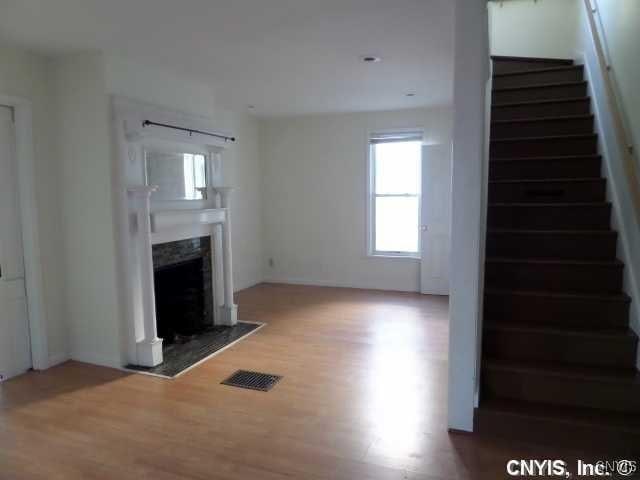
<point>170,219</point>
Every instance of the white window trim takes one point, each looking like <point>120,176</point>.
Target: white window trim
<point>370,203</point>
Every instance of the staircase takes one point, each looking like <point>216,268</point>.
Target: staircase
<point>558,361</point>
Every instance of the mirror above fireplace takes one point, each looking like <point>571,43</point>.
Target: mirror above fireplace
<point>178,175</point>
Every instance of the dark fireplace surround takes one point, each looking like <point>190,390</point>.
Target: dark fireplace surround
<point>183,288</point>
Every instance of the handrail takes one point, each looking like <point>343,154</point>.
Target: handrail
<point>623,132</point>
<point>594,12</point>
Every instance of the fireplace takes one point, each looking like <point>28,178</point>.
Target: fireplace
<point>183,288</point>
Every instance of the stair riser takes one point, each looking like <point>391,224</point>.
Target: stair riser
<point>566,434</point>
<point>542,128</point>
<point>546,168</point>
<point>556,246</point>
<point>510,66</point>
<point>559,348</point>
<point>552,192</point>
<point>560,390</point>
<point>539,78</point>
<point>541,110</point>
<point>545,147</point>
<point>550,218</point>
<point>554,277</point>
<point>589,312</point>
<point>540,93</point>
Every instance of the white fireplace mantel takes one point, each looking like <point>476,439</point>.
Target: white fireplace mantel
<point>172,219</point>
<point>172,225</point>
<point>144,222</point>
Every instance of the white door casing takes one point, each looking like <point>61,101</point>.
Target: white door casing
<point>435,213</point>
<point>15,349</point>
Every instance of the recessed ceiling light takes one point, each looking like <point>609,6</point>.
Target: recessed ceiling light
<point>371,59</point>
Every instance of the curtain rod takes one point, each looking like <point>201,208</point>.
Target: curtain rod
<point>191,131</point>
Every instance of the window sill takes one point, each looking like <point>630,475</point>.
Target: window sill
<point>394,257</point>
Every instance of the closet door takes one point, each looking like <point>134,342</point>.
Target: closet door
<point>15,350</point>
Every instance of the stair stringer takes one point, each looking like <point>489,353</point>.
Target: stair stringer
<point>625,218</point>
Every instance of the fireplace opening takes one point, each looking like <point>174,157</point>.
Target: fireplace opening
<point>183,289</point>
<point>180,305</point>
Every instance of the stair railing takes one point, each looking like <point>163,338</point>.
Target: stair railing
<point>614,97</point>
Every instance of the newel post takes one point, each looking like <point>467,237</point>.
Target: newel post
<point>149,349</point>
<point>229,313</point>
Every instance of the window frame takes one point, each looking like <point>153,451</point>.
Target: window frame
<point>371,196</point>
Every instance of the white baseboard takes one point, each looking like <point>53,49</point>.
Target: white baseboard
<point>320,283</point>
<point>244,286</point>
<point>95,359</point>
<point>58,358</point>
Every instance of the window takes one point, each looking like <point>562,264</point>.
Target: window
<point>394,194</point>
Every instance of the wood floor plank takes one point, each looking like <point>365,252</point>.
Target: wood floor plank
<point>363,397</point>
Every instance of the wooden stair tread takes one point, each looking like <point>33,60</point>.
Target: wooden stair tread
<point>539,102</point>
<point>510,58</point>
<point>550,205</point>
<point>543,119</point>
<point>611,297</point>
<point>551,232</point>
<point>547,158</point>
<point>548,180</point>
<point>596,374</point>
<point>555,261</point>
<point>564,415</point>
<point>542,85</point>
<point>539,70</point>
<point>623,334</point>
<point>544,137</point>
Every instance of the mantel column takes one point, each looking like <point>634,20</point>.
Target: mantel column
<point>229,313</point>
<point>149,349</point>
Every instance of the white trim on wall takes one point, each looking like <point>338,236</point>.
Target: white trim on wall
<point>23,115</point>
<point>320,283</point>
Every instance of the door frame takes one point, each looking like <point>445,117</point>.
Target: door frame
<point>25,163</point>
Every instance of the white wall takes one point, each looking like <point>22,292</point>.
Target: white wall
<point>621,22</point>
<point>314,198</point>
<point>524,28</point>
<point>622,171</point>
<point>244,173</point>
<point>23,74</point>
<point>468,209</point>
<point>84,147</point>
<point>167,88</point>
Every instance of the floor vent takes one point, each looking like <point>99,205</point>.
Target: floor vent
<point>252,380</point>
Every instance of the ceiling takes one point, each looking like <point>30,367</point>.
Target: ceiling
<point>286,57</point>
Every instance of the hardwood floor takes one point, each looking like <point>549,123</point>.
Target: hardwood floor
<point>363,397</point>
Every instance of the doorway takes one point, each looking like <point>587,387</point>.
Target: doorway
<point>15,342</point>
